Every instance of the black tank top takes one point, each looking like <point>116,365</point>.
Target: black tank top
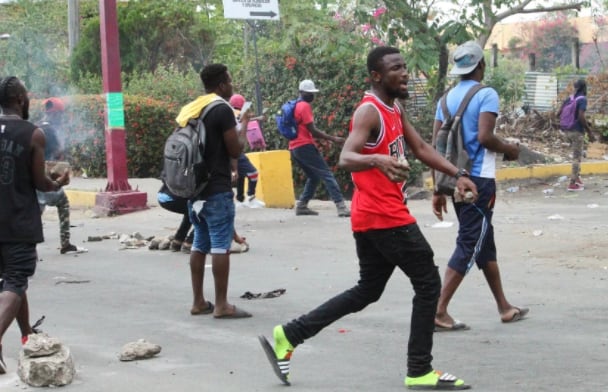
<point>20,219</point>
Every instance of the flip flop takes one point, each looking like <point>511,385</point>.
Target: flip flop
<point>518,314</point>
<point>457,326</point>
<point>272,358</point>
<point>209,309</point>
<point>238,313</point>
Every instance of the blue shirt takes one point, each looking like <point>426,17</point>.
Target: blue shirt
<point>486,100</point>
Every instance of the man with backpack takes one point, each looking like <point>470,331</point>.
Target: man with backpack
<point>573,122</point>
<point>307,156</point>
<point>475,241</point>
<point>212,210</point>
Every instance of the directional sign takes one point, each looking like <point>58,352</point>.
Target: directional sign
<point>251,9</point>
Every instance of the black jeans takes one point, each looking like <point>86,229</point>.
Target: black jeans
<point>180,206</point>
<point>379,252</point>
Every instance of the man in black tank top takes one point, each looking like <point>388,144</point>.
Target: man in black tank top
<point>22,171</point>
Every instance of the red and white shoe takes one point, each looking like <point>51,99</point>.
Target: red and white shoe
<point>574,187</point>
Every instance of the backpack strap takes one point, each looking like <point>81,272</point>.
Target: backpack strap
<point>467,98</point>
<point>194,122</point>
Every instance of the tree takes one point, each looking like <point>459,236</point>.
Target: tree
<point>36,50</point>
<point>151,33</point>
<point>426,30</point>
<point>551,41</point>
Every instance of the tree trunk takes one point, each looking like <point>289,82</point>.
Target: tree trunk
<point>444,55</point>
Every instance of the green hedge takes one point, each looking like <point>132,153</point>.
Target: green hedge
<point>147,124</point>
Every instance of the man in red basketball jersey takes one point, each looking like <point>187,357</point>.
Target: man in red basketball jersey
<point>386,235</point>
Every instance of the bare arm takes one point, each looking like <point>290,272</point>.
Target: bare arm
<point>318,134</point>
<point>41,180</point>
<point>366,127</point>
<point>487,122</point>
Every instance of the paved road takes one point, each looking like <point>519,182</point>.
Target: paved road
<point>557,267</point>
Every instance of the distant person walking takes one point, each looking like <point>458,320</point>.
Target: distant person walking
<point>245,169</point>
<point>572,112</point>
<point>23,172</point>
<point>475,241</point>
<point>307,156</point>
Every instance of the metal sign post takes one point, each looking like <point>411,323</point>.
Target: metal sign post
<point>252,10</point>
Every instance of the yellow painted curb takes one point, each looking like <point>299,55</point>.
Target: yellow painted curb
<point>541,171</point>
<point>79,198</point>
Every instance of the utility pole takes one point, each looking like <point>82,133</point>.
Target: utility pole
<point>73,24</point>
<point>118,197</point>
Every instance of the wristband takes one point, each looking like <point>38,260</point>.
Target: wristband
<point>460,173</point>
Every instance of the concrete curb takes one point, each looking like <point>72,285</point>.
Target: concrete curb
<point>85,198</point>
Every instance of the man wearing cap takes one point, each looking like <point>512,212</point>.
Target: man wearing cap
<point>308,157</point>
<point>475,242</point>
<point>53,151</point>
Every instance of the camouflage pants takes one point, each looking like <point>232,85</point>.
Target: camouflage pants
<point>60,200</point>
<point>576,142</point>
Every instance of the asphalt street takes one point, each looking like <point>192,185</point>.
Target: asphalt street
<point>552,250</point>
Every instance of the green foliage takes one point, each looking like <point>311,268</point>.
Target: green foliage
<point>508,80</point>
<point>147,124</point>
<point>551,41</point>
<point>151,33</point>
<point>327,55</point>
<point>36,50</point>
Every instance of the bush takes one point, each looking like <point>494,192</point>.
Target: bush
<point>147,124</point>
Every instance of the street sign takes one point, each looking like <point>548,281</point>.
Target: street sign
<point>251,9</point>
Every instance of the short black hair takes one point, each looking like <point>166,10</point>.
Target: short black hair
<point>10,90</point>
<point>374,58</point>
<point>580,87</point>
<point>212,75</point>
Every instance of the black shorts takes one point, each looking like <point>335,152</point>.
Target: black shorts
<point>17,264</point>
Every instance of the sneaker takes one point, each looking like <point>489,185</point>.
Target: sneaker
<point>252,202</point>
<point>579,182</point>
<point>436,381</point>
<point>574,187</point>
<point>240,204</point>
<point>280,356</point>
<point>305,211</point>
<point>343,212</point>
<point>2,364</point>
<point>72,249</point>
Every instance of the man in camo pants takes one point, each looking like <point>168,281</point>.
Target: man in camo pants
<point>53,151</point>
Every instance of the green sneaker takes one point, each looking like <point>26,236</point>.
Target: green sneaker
<point>280,356</point>
<point>436,381</point>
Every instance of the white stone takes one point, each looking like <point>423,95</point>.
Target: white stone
<point>51,371</point>
<point>140,349</point>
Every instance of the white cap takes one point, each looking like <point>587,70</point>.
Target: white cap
<point>308,86</point>
<point>466,57</point>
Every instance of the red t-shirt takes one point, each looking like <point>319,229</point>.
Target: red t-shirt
<point>379,203</point>
<point>303,115</point>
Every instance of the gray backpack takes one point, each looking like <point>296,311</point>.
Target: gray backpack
<point>449,142</point>
<point>184,169</point>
